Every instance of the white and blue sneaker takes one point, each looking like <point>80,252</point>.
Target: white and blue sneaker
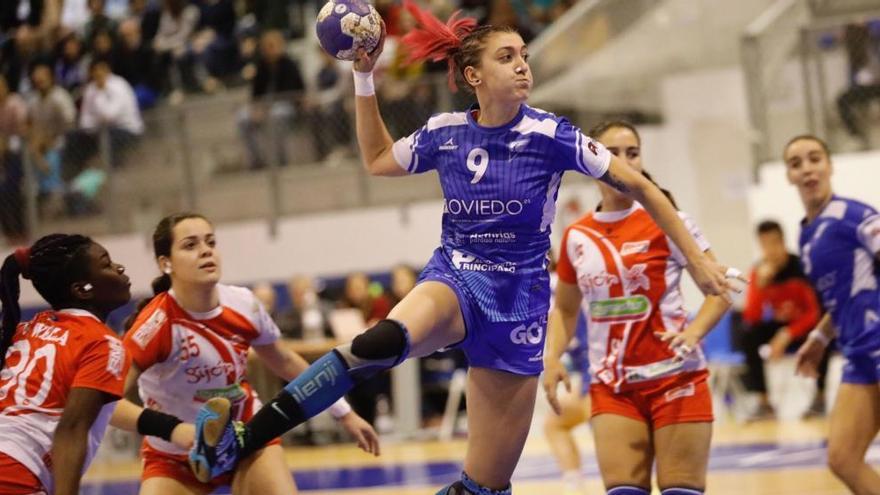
<point>217,442</point>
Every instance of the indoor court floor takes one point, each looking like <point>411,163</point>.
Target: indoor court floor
<point>762,458</point>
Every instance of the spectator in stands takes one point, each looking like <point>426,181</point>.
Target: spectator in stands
<point>362,294</point>
<point>374,305</point>
<point>71,70</point>
<point>781,308</point>
<point>264,381</point>
<point>148,15</point>
<point>308,315</point>
<point>14,13</point>
<point>270,14</point>
<point>75,15</point>
<point>135,62</point>
<point>276,86</point>
<point>16,57</point>
<point>265,293</point>
<point>407,96</point>
<point>328,118</point>
<point>403,279</point>
<point>13,122</point>
<point>435,370</point>
<point>542,13</point>
<point>109,103</point>
<point>864,77</point>
<point>215,42</point>
<point>176,64</point>
<point>51,115</point>
<point>507,13</point>
<point>103,46</point>
<point>98,22</point>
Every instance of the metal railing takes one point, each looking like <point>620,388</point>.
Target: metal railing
<point>796,70</point>
<point>824,8</point>
<point>769,47</point>
<point>585,29</point>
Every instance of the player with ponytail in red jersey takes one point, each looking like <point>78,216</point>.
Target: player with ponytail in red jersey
<point>62,372</point>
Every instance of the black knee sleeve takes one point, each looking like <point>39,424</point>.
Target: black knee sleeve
<point>383,346</point>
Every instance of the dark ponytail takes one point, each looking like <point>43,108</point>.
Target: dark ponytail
<point>160,284</point>
<point>607,125</point>
<point>163,239</point>
<point>9,292</point>
<point>53,263</point>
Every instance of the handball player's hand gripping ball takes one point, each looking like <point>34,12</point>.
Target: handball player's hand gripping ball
<point>346,26</point>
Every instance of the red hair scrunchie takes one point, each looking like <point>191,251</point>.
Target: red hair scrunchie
<point>23,258</point>
<point>433,40</point>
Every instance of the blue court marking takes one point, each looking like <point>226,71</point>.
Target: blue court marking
<point>745,457</point>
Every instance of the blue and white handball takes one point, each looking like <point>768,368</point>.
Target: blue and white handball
<point>346,25</point>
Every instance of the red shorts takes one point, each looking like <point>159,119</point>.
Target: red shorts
<point>16,479</point>
<point>158,464</point>
<point>681,399</point>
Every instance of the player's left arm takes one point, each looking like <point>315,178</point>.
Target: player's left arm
<point>706,272</point>
<point>71,439</point>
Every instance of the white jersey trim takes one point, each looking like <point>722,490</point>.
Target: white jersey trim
<point>528,125</point>
<point>549,213</point>
<point>869,233</point>
<point>446,120</point>
<point>616,216</point>
<point>402,149</point>
<point>835,209</point>
<point>207,315</point>
<point>863,277</point>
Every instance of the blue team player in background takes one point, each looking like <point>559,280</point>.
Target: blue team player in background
<point>486,288</point>
<point>840,252</point>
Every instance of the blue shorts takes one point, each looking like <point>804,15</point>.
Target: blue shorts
<point>862,369</point>
<point>513,346</point>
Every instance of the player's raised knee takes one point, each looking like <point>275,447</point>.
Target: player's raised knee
<point>381,347</point>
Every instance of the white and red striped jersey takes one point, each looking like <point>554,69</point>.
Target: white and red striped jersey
<point>188,358</point>
<point>49,355</point>
<point>628,272</point>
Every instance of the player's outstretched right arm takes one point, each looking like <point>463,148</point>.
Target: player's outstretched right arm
<point>373,138</point>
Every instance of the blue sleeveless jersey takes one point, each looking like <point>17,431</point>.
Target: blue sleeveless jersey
<point>838,252</point>
<point>500,186</point>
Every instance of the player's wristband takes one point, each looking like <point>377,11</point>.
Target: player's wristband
<point>820,337</point>
<point>363,83</point>
<point>157,424</point>
<point>339,409</point>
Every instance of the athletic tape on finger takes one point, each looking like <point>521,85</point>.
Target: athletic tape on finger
<point>732,273</point>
